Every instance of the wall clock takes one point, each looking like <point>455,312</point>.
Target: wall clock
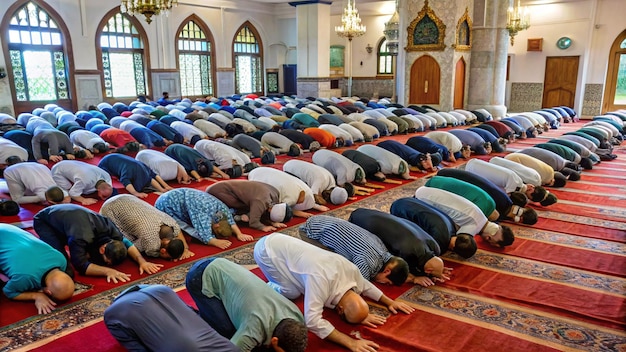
<point>564,43</point>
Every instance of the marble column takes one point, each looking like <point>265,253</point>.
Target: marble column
<point>490,42</point>
<point>312,19</point>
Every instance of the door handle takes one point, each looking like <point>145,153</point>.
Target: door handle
<point>425,87</point>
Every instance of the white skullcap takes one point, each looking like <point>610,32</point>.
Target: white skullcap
<point>277,214</point>
<point>338,196</point>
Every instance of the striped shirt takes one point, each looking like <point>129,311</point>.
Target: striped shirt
<point>354,243</point>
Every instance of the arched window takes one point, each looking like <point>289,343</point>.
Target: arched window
<point>36,53</point>
<point>615,85</point>
<point>248,62</point>
<point>385,59</point>
<point>121,46</point>
<point>195,58</point>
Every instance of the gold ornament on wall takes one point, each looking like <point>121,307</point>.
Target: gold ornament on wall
<point>463,38</point>
<point>426,32</point>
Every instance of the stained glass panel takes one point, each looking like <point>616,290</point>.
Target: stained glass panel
<point>18,75</point>
<point>39,75</point>
<point>139,76</point>
<point>623,44</point>
<point>194,61</point>
<point>248,75</point>
<point>122,70</point>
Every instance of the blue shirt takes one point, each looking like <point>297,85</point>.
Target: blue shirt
<point>25,260</point>
<point>188,157</point>
<point>127,170</point>
<point>354,243</point>
<point>154,318</point>
<point>194,211</point>
<point>407,153</point>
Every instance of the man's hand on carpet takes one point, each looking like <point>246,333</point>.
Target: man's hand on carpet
<point>268,228</point>
<point>423,281</point>
<point>186,254</point>
<point>400,306</point>
<point>245,238</point>
<point>374,320</point>
<point>114,275</point>
<point>221,244</point>
<point>364,346</point>
<point>149,268</point>
<point>278,225</point>
<point>43,303</point>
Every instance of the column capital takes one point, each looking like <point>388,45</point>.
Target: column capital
<point>310,2</point>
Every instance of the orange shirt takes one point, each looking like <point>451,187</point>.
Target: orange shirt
<point>325,138</point>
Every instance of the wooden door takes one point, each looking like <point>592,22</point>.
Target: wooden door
<point>615,84</point>
<point>459,84</point>
<point>425,77</point>
<point>559,85</point>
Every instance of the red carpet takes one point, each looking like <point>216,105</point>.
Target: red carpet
<point>561,286</point>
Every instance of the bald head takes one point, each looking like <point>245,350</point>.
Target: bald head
<point>59,285</point>
<point>434,267</point>
<point>353,307</point>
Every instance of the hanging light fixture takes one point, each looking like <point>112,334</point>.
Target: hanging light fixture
<point>148,8</point>
<point>518,19</point>
<point>392,35</point>
<point>350,27</point>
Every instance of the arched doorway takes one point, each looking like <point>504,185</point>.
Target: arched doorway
<point>425,78</point>
<point>459,84</point>
<point>38,51</point>
<point>615,85</point>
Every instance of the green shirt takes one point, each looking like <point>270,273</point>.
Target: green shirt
<point>466,190</point>
<point>25,260</point>
<point>254,308</point>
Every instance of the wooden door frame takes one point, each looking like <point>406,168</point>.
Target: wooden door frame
<point>610,84</point>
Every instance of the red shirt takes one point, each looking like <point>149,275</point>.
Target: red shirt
<point>116,137</point>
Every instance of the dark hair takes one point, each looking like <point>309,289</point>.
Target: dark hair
<point>132,146</point>
<point>529,217</point>
<point>292,335</point>
<point>116,252</point>
<point>13,159</point>
<point>507,236</point>
<point>400,272</point>
<point>205,168</point>
<point>294,150</point>
<point>559,180</point>
<point>54,194</point>
<point>100,147</point>
<point>9,207</point>
<point>572,165</point>
<point>538,194</point>
<point>549,200</point>
<point>235,171</point>
<point>288,214</point>
<point>349,187</point>
<point>571,174</point>
<point>586,163</point>
<point>175,248</point>
<point>465,245</point>
<point>81,154</point>
<point>519,198</point>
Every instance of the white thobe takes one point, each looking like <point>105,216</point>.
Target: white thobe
<point>78,177</point>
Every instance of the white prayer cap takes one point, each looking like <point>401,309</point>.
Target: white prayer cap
<point>338,196</point>
<point>280,213</point>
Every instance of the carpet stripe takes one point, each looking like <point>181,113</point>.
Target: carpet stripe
<point>570,241</point>
<point>544,272</point>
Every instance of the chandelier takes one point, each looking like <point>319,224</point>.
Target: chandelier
<point>350,23</point>
<point>518,19</point>
<point>350,27</point>
<point>148,8</point>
